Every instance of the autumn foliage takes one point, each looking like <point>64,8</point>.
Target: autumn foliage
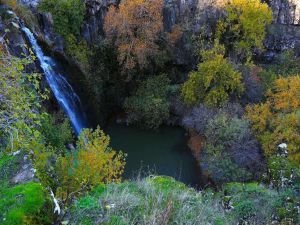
<point>214,81</point>
<point>244,27</point>
<point>278,119</point>
<point>134,28</point>
<point>93,163</point>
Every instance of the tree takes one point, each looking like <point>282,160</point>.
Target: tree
<point>20,102</point>
<point>149,106</point>
<point>94,162</point>
<point>277,120</point>
<point>134,27</point>
<point>244,26</point>
<point>214,81</point>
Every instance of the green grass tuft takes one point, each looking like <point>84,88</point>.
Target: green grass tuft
<point>20,202</point>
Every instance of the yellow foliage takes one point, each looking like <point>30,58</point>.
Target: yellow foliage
<point>93,163</point>
<point>244,27</point>
<point>285,96</point>
<point>278,120</point>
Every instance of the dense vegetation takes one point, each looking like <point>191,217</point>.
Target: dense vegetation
<point>245,114</point>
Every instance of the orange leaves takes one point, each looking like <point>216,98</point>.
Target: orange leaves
<point>134,27</point>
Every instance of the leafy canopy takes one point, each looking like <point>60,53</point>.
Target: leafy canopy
<point>214,81</point>
<point>134,28</point>
<point>244,26</point>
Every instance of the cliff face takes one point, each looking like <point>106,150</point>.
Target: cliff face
<point>92,29</point>
<point>192,15</point>
<point>286,11</point>
<point>284,33</point>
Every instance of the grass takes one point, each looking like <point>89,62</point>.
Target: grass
<point>154,200</point>
<point>23,203</point>
<point>20,203</point>
<point>163,200</point>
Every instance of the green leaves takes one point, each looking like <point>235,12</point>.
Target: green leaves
<point>68,15</point>
<point>149,106</point>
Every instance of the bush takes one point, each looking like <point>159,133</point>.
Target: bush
<point>56,133</point>
<point>230,152</point>
<point>282,173</point>
<point>199,116</point>
<point>252,203</point>
<point>10,3</point>
<point>254,86</point>
<point>287,64</point>
<point>149,107</point>
<point>94,162</point>
<point>68,16</point>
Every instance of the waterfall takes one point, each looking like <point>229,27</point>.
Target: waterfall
<point>62,90</point>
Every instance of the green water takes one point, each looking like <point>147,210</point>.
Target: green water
<point>162,152</point>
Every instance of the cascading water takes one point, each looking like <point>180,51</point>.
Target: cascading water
<point>60,87</point>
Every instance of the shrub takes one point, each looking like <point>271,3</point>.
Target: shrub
<point>149,107</point>
<point>68,17</point>
<point>199,116</point>
<point>20,102</point>
<point>252,203</point>
<point>254,86</point>
<point>93,163</point>
<point>56,134</point>
<point>214,81</point>
<point>230,152</point>
<point>282,173</point>
<point>10,3</point>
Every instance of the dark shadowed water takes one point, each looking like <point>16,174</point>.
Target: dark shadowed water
<point>162,152</point>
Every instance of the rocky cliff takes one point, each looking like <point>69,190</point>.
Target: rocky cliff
<point>192,15</point>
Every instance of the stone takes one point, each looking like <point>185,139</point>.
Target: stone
<point>25,174</point>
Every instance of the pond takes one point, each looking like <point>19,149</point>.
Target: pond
<point>161,152</point>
